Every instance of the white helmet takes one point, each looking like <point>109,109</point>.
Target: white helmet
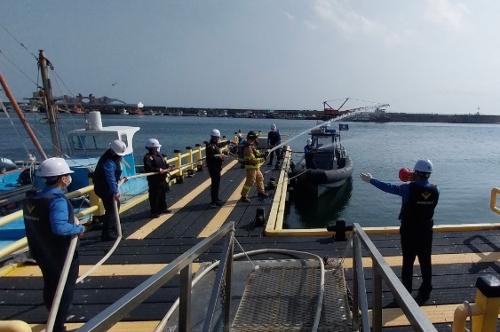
<point>118,147</point>
<point>273,127</point>
<point>215,133</point>
<point>153,143</point>
<point>309,141</point>
<point>423,166</point>
<point>54,167</point>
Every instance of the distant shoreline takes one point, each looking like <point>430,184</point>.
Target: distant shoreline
<point>379,117</point>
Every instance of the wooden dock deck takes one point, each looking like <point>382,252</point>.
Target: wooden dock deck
<point>459,258</point>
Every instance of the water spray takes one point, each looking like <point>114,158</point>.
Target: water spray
<point>325,123</point>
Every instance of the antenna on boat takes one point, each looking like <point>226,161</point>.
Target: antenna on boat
<point>49,103</point>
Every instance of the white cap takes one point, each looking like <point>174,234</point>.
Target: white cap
<point>215,133</point>
<point>54,167</point>
<point>118,147</point>
<point>309,141</point>
<point>273,126</point>
<point>424,166</point>
<point>153,143</point>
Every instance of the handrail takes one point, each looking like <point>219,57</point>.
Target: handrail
<point>493,200</point>
<point>112,314</point>
<point>5,220</point>
<point>382,271</point>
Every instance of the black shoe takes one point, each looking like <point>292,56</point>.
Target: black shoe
<point>219,203</point>
<point>154,215</point>
<point>213,205</point>
<point>422,297</point>
<point>244,199</point>
<point>167,211</point>
<point>262,195</point>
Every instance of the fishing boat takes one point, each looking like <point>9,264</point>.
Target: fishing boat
<point>86,145</point>
<point>327,164</point>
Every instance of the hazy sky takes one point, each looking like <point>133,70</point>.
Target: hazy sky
<point>432,56</point>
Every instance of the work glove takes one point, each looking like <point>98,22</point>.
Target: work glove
<point>366,177</point>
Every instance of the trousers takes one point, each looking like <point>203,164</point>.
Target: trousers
<point>215,183</point>
<point>157,199</point>
<point>109,218</point>
<point>51,273</point>
<point>416,243</point>
<point>253,176</point>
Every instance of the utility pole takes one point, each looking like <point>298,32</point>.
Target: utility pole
<point>49,104</point>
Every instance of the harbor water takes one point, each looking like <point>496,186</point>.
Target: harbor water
<point>466,161</point>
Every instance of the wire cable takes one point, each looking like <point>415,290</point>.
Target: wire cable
<point>18,41</point>
<point>18,68</point>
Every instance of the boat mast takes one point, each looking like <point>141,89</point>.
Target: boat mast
<point>21,116</point>
<point>49,103</point>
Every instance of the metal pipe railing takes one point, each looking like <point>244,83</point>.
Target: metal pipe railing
<point>410,308</point>
<point>361,298</point>
<point>15,216</point>
<point>115,312</point>
<point>223,277</point>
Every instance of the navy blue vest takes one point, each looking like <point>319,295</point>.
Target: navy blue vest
<point>418,211</point>
<point>43,243</point>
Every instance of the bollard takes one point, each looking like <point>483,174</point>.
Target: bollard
<point>488,300</point>
<point>340,229</point>
<point>260,217</point>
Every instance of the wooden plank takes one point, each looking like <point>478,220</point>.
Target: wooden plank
<point>102,271</point>
<point>272,220</point>
<point>221,216</point>
<point>118,327</point>
<point>446,259</point>
<point>152,225</point>
<point>435,313</point>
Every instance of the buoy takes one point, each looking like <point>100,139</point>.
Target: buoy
<point>406,174</point>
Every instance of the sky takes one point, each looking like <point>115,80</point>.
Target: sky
<point>426,56</point>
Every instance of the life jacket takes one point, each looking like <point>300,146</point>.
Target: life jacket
<point>44,245</point>
<point>251,157</point>
<point>418,211</point>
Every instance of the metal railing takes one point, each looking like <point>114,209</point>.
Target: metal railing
<point>194,157</point>
<point>182,264</point>
<point>493,200</point>
<point>381,272</point>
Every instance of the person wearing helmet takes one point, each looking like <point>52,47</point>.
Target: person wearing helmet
<point>253,160</point>
<point>273,139</point>
<point>214,157</point>
<point>106,177</point>
<point>154,161</point>
<point>309,154</point>
<point>50,224</point>
<point>419,199</point>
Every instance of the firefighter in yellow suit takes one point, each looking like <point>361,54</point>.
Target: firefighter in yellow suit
<point>253,160</point>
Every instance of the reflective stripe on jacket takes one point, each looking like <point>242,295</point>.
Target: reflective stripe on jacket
<point>252,157</point>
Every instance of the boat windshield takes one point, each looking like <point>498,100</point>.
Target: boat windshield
<point>323,141</point>
<point>91,144</point>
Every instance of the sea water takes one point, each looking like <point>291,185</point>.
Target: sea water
<point>465,157</point>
